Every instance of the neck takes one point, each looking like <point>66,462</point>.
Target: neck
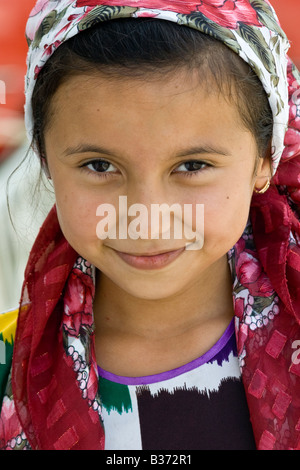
<point>207,300</point>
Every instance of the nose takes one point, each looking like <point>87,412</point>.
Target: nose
<point>148,212</point>
<point>148,203</point>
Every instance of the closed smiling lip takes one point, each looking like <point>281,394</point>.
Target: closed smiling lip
<point>153,260</point>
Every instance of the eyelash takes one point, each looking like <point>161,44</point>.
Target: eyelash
<point>108,174</point>
<point>190,174</point>
<point>97,174</point>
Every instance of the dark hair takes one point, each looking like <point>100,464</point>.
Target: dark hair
<point>144,48</point>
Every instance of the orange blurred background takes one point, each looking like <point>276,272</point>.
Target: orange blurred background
<point>13,49</point>
<point>288,14</point>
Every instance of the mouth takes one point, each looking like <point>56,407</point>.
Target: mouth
<point>155,260</point>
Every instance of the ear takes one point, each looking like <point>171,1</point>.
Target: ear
<point>263,172</point>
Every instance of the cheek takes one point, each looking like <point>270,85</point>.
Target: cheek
<point>77,216</point>
<point>225,217</point>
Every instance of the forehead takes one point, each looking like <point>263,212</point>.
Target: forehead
<point>135,114</point>
<point>105,93</point>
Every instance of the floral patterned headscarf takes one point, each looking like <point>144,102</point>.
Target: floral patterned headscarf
<point>49,405</point>
<point>250,28</point>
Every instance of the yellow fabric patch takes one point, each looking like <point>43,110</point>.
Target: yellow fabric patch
<point>8,324</point>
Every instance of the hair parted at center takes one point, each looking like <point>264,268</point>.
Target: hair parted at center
<point>148,48</point>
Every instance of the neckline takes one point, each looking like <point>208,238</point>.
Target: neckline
<point>151,379</point>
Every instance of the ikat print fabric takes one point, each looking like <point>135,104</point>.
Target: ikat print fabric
<point>201,405</point>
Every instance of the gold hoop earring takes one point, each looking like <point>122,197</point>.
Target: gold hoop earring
<point>264,189</point>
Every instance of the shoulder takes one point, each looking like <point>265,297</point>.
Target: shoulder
<point>8,325</point>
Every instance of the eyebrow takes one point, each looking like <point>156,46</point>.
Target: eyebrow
<point>86,148</point>
<point>203,149</point>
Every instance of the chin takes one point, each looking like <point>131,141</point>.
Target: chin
<point>149,290</point>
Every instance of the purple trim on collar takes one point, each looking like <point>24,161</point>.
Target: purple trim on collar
<point>150,379</point>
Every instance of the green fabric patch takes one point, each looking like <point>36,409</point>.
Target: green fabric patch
<point>6,353</point>
<point>114,396</point>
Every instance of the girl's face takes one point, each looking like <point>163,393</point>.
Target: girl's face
<point>165,141</point>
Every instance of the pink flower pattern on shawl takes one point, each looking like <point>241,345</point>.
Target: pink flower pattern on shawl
<point>78,301</point>
<point>250,273</point>
<point>223,12</point>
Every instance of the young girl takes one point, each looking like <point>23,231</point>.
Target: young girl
<point>130,341</point>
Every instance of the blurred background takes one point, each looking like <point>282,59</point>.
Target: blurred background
<point>288,14</point>
<point>16,240</point>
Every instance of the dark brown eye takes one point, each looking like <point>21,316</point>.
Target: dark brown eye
<point>100,166</point>
<point>193,165</point>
